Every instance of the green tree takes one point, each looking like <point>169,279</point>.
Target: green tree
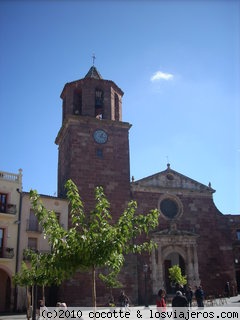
<point>175,275</point>
<point>93,241</point>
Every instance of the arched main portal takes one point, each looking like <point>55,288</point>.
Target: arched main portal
<point>172,259</point>
<point>5,291</point>
<point>174,247</point>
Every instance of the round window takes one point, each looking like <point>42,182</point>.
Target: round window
<point>169,208</point>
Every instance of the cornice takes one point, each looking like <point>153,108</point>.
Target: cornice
<point>86,120</point>
<point>174,191</point>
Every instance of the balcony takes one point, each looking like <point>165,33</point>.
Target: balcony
<point>6,253</point>
<point>11,208</point>
<point>7,176</point>
<point>8,209</point>
<point>27,255</point>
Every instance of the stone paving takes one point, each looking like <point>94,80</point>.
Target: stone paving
<point>231,302</point>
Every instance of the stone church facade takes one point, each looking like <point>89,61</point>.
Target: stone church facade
<point>93,144</point>
<point>192,232</point>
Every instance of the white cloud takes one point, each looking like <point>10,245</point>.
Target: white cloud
<point>159,75</point>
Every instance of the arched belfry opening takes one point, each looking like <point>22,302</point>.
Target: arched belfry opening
<point>99,103</point>
<point>92,96</point>
<point>77,102</point>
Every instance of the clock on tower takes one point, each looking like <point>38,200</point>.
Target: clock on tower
<point>93,141</point>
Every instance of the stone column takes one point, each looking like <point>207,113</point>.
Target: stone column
<point>190,264</point>
<point>160,268</point>
<point>195,262</point>
<point>154,272</point>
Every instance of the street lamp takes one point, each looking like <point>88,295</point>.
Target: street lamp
<point>145,270</point>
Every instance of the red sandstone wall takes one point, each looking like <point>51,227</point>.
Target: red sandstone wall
<point>214,249</point>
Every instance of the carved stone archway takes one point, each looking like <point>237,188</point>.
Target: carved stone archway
<point>183,243</point>
<point>169,260</point>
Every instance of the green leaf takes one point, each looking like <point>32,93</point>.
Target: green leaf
<point>93,241</point>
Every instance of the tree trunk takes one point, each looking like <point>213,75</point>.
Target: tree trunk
<point>29,315</point>
<point>94,296</point>
<point>43,295</point>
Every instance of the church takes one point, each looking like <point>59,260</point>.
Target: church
<point>93,150</point>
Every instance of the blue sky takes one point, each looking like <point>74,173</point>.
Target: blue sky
<point>178,63</point>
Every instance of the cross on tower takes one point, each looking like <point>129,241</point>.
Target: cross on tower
<point>93,57</point>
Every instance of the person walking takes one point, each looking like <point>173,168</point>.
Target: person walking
<point>199,295</point>
<point>180,306</point>
<point>124,300</point>
<point>227,289</point>
<point>189,296</point>
<point>161,302</point>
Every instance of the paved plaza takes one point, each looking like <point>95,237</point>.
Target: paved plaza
<point>231,302</point>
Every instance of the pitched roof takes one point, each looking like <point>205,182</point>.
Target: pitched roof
<point>170,179</point>
<point>93,73</point>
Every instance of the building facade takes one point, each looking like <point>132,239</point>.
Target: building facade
<point>94,150</point>
<point>10,189</point>
<point>192,232</point>
<point>32,237</point>
<point>93,144</point>
<point>93,141</point>
<point>20,230</point>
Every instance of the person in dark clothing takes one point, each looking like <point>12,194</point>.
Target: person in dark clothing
<point>179,287</point>
<point>123,300</point>
<point>179,300</point>
<point>189,296</point>
<point>180,306</point>
<point>227,289</point>
<point>199,295</point>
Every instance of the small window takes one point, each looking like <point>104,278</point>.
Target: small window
<point>63,109</point>
<point>3,202</point>
<point>169,208</point>
<point>1,241</point>
<point>116,102</point>
<point>99,153</point>
<point>33,224</point>
<point>32,244</point>
<point>58,216</point>
<point>238,234</point>
<point>98,98</point>
<point>170,176</point>
<point>77,103</point>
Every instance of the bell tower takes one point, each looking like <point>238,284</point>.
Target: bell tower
<point>93,141</point>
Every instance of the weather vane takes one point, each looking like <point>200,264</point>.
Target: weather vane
<point>93,58</point>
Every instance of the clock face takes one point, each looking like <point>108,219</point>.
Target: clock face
<point>100,136</point>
